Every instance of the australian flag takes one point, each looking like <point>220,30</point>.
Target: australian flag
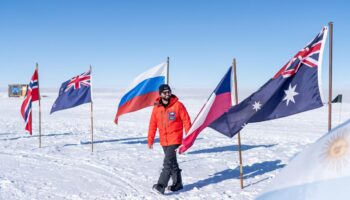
<point>294,89</point>
<point>74,92</point>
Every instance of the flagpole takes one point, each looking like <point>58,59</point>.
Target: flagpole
<point>340,112</point>
<point>37,68</point>
<point>167,70</point>
<point>239,135</point>
<point>92,114</point>
<point>330,75</point>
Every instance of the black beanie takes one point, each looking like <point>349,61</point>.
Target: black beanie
<point>164,87</point>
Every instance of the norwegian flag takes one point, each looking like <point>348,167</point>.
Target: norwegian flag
<point>74,92</point>
<point>31,95</point>
<point>294,89</point>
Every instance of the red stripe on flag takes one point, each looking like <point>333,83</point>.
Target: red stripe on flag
<point>221,104</point>
<point>29,124</point>
<point>35,91</point>
<point>137,103</point>
<point>317,47</point>
<point>309,63</point>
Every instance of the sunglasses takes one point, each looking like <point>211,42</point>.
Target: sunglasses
<point>166,92</point>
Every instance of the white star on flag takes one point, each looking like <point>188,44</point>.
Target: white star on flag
<point>290,93</point>
<point>256,106</point>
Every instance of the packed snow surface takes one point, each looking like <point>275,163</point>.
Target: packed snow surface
<point>122,167</point>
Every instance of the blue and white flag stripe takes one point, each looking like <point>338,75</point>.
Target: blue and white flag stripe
<point>146,86</point>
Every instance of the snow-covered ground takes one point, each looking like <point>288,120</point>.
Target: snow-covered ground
<point>122,167</point>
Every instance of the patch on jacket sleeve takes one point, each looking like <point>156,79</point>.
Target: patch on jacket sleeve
<point>171,116</point>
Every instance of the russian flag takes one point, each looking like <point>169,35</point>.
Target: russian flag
<point>143,91</point>
<point>218,103</point>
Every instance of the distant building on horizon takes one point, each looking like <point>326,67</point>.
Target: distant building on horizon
<point>17,90</point>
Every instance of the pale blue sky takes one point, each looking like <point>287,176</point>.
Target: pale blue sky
<point>122,39</point>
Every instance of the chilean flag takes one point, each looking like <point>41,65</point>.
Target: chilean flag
<point>218,103</point>
<point>143,91</point>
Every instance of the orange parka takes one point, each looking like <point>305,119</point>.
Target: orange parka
<point>170,121</point>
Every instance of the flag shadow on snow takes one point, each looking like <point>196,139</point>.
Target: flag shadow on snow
<point>136,140</point>
<point>112,140</point>
<point>230,148</point>
<point>1,134</point>
<point>144,141</point>
<point>156,140</point>
<point>248,172</point>
<point>33,136</point>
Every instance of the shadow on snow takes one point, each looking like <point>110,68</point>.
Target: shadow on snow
<point>34,136</point>
<point>230,148</point>
<point>135,140</point>
<point>146,141</point>
<point>248,172</point>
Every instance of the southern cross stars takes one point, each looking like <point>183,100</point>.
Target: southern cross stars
<point>290,93</point>
<point>256,106</point>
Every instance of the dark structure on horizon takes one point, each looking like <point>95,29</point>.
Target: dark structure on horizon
<point>17,90</point>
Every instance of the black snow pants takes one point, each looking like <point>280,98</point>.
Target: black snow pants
<point>170,165</point>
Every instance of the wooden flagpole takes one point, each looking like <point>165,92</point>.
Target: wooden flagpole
<point>330,75</point>
<point>37,68</point>
<point>92,113</point>
<point>238,134</point>
<point>167,70</point>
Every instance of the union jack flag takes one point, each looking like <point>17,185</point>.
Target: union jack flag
<point>74,92</point>
<point>31,95</point>
<point>76,82</point>
<point>307,56</point>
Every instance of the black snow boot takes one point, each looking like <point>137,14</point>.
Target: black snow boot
<point>177,181</point>
<point>159,188</point>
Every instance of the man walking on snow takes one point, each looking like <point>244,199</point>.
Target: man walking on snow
<point>170,116</point>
